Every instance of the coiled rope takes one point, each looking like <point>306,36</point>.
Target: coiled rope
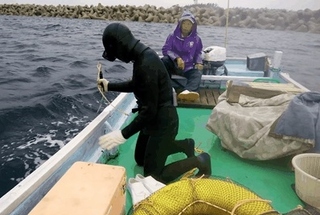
<point>149,206</point>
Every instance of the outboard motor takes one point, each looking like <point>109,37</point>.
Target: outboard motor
<point>214,57</point>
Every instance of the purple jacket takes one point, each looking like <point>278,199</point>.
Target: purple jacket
<point>188,48</point>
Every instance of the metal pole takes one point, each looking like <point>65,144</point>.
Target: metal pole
<point>227,21</point>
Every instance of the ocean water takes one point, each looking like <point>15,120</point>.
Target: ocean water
<point>48,78</point>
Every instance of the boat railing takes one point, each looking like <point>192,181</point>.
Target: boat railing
<point>83,147</point>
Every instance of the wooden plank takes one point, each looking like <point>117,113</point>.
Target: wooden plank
<point>197,103</point>
<point>203,97</point>
<point>259,90</point>
<point>211,98</point>
<point>207,99</point>
<point>216,95</point>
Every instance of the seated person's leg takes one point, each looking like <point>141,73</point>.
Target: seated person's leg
<point>170,66</point>
<point>194,79</point>
<point>190,92</point>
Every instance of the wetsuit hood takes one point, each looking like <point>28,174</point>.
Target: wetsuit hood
<point>118,42</point>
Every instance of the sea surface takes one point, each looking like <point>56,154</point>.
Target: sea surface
<point>48,73</point>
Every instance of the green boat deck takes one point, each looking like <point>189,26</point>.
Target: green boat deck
<point>271,180</point>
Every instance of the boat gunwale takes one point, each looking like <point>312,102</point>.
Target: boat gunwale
<point>15,199</point>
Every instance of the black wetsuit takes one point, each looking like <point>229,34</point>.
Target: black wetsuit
<point>157,119</point>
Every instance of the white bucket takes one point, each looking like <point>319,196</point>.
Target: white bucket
<point>307,178</point>
<point>277,59</point>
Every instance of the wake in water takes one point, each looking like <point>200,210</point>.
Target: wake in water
<point>32,134</point>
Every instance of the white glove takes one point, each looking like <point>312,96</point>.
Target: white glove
<point>103,84</point>
<point>111,140</point>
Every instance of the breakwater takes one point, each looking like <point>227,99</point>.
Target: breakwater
<point>206,14</point>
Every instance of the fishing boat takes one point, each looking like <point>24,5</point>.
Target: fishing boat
<point>270,179</point>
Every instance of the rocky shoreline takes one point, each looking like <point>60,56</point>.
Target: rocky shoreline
<point>206,14</point>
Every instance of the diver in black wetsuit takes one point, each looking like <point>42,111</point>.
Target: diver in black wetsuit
<point>157,119</point>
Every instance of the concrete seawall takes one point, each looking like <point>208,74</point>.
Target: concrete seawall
<point>206,14</point>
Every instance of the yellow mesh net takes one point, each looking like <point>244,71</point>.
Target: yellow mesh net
<point>203,196</point>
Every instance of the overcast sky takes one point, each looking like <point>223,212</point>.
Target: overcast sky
<point>272,4</point>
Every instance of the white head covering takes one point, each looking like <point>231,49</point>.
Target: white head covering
<point>186,15</point>
<point>187,18</point>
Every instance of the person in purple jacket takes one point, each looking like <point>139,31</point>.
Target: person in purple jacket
<point>182,55</point>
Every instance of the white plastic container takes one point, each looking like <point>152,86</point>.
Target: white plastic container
<point>277,59</point>
<point>307,178</point>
